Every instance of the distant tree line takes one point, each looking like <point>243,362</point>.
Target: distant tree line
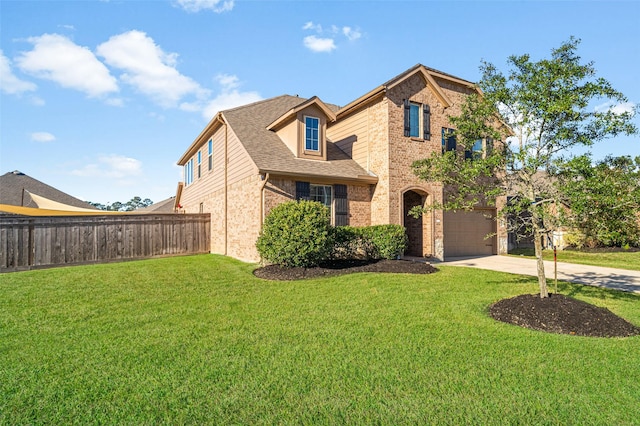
<point>133,204</point>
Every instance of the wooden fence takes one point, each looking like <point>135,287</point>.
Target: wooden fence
<point>34,242</point>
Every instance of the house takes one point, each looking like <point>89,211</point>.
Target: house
<point>19,189</point>
<point>355,159</point>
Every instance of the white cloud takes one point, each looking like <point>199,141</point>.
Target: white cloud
<point>9,82</point>
<point>55,57</point>
<point>625,107</point>
<point>217,6</point>
<point>311,26</point>
<point>111,166</point>
<point>351,34</point>
<point>148,68</point>
<point>228,100</point>
<point>229,97</point>
<point>319,44</point>
<point>42,137</point>
<point>326,39</point>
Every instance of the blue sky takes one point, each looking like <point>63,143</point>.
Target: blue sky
<point>100,98</point>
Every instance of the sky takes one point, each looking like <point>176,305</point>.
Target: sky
<point>101,98</point>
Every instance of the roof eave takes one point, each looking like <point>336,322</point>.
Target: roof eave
<point>364,179</point>
<point>212,126</point>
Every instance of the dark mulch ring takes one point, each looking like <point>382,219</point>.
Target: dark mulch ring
<point>561,314</point>
<point>341,267</point>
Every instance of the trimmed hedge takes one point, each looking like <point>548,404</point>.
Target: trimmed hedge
<point>369,242</point>
<point>296,233</point>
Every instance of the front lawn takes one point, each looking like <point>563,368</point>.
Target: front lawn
<point>610,259</point>
<point>200,340</point>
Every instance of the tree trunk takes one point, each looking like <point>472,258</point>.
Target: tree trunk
<point>542,279</point>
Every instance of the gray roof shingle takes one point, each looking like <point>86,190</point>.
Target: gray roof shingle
<point>12,184</point>
<point>269,152</point>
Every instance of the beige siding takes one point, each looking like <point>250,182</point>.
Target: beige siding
<point>289,135</point>
<point>352,136</point>
<point>240,164</point>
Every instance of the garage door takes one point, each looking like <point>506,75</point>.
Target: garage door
<point>465,232</point>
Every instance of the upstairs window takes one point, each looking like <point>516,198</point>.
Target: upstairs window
<point>475,151</point>
<point>417,120</point>
<point>311,134</point>
<point>188,173</point>
<point>210,154</point>
<point>448,140</point>
<point>479,149</point>
<point>414,119</point>
<point>199,164</point>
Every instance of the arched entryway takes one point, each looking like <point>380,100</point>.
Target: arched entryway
<point>417,227</point>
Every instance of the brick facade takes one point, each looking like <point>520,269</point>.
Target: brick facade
<point>371,133</point>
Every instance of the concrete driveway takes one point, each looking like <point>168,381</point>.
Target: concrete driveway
<point>617,279</point>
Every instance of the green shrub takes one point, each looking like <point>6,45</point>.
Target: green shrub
<point>369,242</point>
<point>296,233</point>
<point>389,241</point>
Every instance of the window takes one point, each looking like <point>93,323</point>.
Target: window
<point>330,196</point>
<point>479,149</point>
<point>199,161</point>
<point>322,194</point>
<point>414,119</point>
<point>210,154</point>
<point>448,140</point>
<point>475,151</point>
<point>417,120</point>
<point>188,173</point>
<point>311,134</point>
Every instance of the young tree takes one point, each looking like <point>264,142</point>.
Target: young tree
<point>540,110</point>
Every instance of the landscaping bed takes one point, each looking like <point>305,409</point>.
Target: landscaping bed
<point>341,267</point>
<point>561,314</point>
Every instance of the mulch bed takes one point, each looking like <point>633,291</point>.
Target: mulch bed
<point>341,267</point>
<point>561,314</point>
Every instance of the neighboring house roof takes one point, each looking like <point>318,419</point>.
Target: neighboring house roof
<point>164,206</point>
<point>16,189</point>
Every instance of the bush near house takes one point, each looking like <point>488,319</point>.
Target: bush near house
<point>299,234</point>
<point>296,233</point>
<point>369,242</point>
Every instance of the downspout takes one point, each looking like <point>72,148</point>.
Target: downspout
<point>262,200</point>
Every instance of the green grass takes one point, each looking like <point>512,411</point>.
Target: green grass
<point>200,340</point>
<point>623,259</point>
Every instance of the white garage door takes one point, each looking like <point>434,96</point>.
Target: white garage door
<point>465,232</point>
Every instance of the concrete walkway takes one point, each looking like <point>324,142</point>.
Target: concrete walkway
<point>617,279</point>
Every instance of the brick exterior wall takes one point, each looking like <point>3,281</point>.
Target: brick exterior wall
<point>375,133</point>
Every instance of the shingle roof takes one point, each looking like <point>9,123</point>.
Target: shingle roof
<point>164,206</point>
<point>13,183</point>
<point>269,152</point>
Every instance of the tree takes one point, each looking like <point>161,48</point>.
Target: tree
<point>539,111</point>
<point>131,205</point>
<point>604,199</point>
